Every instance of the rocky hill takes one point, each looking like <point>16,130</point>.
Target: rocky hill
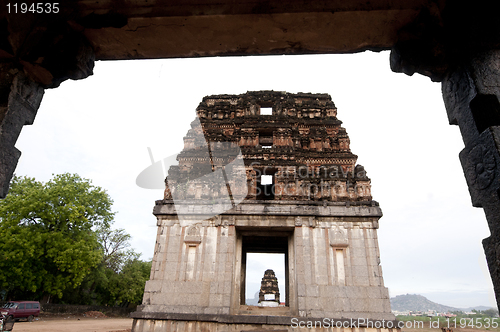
<point>415,302</point>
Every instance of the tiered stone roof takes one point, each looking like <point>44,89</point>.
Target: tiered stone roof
<point>269,286</point>
<point>302,145</point>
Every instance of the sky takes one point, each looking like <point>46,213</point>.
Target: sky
<point>430,235</point>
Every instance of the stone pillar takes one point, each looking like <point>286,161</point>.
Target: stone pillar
<point>471,93</point>
<point>21,106</point>
<point>458,46</point>
<point>35,53</point>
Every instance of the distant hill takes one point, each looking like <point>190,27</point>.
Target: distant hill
<point>480,308</point>
<point>416,302</point>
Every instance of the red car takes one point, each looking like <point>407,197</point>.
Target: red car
<point>21,309</point>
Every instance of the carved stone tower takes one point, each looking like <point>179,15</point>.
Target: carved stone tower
<point>269,291</point>
<point>265,172</point>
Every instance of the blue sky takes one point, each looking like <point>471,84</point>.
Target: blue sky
<point>430,235</point>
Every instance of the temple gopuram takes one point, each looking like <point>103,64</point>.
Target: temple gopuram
<point>265,172</point>
<point>269,293</point>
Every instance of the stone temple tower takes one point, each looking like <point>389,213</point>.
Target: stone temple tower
<point>269,291</point>
<point>265,172</point>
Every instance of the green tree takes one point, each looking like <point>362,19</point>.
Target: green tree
<point>116,247</point>
<point>127,286</point>
<point>490,312</point>
<point>118,279</point>
<point>48,243</point>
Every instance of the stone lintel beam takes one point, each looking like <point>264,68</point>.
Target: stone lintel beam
<point>145,29</point>
<point>35,53</point>
<point>281,208</point>
<point>271,34</point>
<point>105,9</point>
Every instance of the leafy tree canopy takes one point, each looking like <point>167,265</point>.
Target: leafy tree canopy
<point>490,312</point>
<point>116,247</point>
<point>48,243</point>
<point>119,278</point>
<point>127,287</point>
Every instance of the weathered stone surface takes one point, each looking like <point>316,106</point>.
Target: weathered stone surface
<point>471,93</point>
<point>24,99</point>
<point>35,53</point>
<point>302,212</point>
<point>269,290</point>
<point>434,38</point>
<point>443,37</point>
<point>238,322</point>
<point>301,147</point>
<point>330,244</point>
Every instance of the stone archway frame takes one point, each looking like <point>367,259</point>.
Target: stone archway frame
<point>455,42</point>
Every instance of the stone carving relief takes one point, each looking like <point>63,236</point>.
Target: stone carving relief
<point>193,235</point>
<point>480,169</point>
<point>338,237</point>
<point>458,91</point>
<point>306,221</point>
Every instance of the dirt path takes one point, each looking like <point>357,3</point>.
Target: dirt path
<point>76,325</point>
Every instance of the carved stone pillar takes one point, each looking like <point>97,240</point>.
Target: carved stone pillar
<point>22,104</point>
<point>459,45</point>
<point>35,53</point>
<point>471,94</point>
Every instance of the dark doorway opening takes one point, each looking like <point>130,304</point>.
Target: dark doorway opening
<point>257,244</point>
